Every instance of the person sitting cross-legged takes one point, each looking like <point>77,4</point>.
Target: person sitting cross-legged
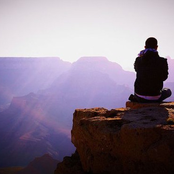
<point>151,72</point>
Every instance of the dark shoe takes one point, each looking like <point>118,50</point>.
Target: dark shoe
<point>132,98</point>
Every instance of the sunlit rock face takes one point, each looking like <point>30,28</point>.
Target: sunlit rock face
<point>124,140</point>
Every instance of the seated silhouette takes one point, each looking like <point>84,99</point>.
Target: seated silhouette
<point>151,71</point>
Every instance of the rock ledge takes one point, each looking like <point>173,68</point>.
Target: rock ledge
<point>124,140</point>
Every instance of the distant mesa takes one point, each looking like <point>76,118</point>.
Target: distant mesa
<point>21,75</point>
<point>40,165</point>
<point>92,59</point>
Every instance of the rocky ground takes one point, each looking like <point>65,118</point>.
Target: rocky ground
<point>138,139</point>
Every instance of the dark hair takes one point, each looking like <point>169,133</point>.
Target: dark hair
<point>151,42</point>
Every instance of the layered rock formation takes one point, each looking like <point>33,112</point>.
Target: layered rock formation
<point>27,131</point>
<point>123,141</point>
<point>40,165</point>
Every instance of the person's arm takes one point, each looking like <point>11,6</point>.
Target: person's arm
<point>136,64</point>
<point>165,69</point>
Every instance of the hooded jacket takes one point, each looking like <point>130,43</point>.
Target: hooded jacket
<point>151,71</point>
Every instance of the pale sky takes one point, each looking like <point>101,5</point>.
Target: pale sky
<point>70,29</point>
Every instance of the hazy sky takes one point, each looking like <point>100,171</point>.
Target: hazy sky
<point>70,29</point>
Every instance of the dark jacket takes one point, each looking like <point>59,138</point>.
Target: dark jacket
<point>151,71</point>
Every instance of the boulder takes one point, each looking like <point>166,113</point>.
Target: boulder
<point>136,105</point>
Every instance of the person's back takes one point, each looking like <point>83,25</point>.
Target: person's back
<point>151,71</point>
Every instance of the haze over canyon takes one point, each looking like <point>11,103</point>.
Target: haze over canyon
<point>39,95</point>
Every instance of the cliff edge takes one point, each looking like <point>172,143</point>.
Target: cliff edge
<point>138,139</point>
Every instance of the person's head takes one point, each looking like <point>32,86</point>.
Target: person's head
<point>151,42</point>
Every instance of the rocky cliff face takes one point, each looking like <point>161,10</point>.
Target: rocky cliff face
<point>136,139</point>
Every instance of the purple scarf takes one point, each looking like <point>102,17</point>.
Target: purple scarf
<point>144,51</point>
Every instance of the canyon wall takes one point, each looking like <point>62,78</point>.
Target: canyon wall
<point>136,139</point>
